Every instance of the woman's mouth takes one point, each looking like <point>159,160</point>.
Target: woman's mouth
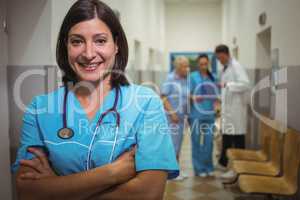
<point>91,67</point>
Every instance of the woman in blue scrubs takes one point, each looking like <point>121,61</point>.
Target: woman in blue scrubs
<point>98,136</point>
<point>203,94</point>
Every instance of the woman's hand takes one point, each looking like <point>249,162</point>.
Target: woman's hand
<point>174,118</point>
<point>123,169</point>
<point>40,164</point>
<point>222,85</point>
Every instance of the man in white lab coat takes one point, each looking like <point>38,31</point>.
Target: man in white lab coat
<point>234,85</point>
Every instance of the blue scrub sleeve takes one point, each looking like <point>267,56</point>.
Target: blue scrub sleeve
<point>166,87</point>
<point>191,84</point>
<point>30,135</point>
<point>155,149</point>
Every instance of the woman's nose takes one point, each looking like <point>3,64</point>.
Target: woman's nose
<point>90,52</point>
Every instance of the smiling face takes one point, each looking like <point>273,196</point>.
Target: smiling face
<point>91,50</point>
<point>203,63</point>
<point>183,68</point>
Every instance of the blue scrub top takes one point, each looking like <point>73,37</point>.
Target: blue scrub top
<point>143,122</point>
<point>200,85</point>
<point>176,90</point>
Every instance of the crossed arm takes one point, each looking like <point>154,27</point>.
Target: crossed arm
<point>148,185</point>
<point>36,180</point>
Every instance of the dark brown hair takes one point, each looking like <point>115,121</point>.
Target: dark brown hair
<point>222,48</point>
<point>204,55</point>
<point>84,10</point>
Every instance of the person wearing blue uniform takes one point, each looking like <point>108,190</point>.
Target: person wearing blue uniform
<point>98,136</point>
<point>174,93</point>
<point>203,93</point>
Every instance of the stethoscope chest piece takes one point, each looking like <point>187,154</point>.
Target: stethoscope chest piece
<point>65,133</point>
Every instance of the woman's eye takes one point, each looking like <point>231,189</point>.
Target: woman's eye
<point>76,42</point>
<point>101,41</point>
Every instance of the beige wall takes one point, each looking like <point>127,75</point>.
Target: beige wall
<point>240,20</point>
<point>193,26</point>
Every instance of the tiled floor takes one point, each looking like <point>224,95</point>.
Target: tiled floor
<point>196,188</point>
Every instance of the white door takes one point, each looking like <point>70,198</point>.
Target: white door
<point>5,180</point>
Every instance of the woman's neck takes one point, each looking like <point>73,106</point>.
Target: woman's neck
<point>204,72</point>
<point>91,95</point>
<point>92,90</point>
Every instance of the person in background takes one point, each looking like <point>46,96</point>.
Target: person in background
<point>174,94</point>
<point>234,84</point>
<point>203,94</point>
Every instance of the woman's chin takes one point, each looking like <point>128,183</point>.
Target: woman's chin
<point>96,77</point>
<point>91,75</point>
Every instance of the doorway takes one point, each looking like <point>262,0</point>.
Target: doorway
<point>263,49</point>
<point>262,98</point>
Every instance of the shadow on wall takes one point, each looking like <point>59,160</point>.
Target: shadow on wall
<point>28,31</point>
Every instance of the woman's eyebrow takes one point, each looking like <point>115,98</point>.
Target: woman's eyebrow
<point>76,35</point>
<point>101,34</point>
<point>96,35</point>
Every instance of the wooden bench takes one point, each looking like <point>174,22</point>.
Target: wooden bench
<point>287,183</point>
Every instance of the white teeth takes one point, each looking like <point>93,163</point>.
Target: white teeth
<point>94,65</point>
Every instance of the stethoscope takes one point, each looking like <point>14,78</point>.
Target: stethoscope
<point>67,133</point>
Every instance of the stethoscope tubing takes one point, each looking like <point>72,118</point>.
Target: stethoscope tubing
<point>113,109</point>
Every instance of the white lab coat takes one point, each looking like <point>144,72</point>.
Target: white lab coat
<point>233,97</point>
